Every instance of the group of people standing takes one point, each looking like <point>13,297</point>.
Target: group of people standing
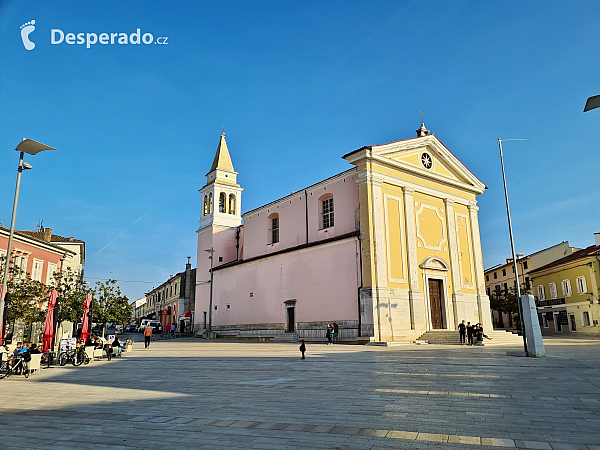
<point>332,333</point>
<point>468,331</point>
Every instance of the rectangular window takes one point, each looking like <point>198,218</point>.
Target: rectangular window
<point>505,287</point>
<point>488,291</point>
<point>50,274</point>
<point>525,265</point>
<point>566,288</point>
<point>527,282</point>
<point>541,293</point>
<point>503,272</point>
<point>275,230</point>
<point>545,320</point>
<point>495,275</point>
<point>328,212</point>
<point>586,318</point>
<point>497,289</point>
<point>553,291</point>
<point>487,278</point>
<point>581,285</point>
<point>37,270</point>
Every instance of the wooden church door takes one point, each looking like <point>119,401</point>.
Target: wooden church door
<point>435,302</point>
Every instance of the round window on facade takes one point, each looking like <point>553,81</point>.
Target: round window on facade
<point>426,160</point>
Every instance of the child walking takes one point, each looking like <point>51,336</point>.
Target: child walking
<point>302,348</point>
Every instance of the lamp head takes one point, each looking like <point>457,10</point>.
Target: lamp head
<point>27,166</point>
<point>32,147</point>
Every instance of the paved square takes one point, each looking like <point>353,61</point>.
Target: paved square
<point>189,393</point>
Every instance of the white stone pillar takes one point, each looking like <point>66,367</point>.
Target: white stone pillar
<point>411,250</point>
<point>454,261</point>
<point>483,302</point>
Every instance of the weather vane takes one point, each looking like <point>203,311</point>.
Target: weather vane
<point>422,114</point>
<point>222,130</point>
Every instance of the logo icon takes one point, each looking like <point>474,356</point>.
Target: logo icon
<point>26,30</point>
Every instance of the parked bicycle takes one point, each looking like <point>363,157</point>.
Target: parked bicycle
<point>81,357</point>
<point>15,366</point>
<point>68,356</point>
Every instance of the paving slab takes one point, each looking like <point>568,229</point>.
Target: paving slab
<point>212,394</point>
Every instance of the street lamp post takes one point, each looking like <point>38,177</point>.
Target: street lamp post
<point>211,252</point>
<point>512,242</point>
<point>30,147</point>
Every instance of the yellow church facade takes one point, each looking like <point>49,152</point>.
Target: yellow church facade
<point>421,258</point>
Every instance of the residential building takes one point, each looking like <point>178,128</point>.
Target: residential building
<point>139,309</point>
<point>38,257</point>
<point>501,277</point>
<point>173,302</point>
<point>567,292</point>
<point>388,249</point>
<point>73,258</point>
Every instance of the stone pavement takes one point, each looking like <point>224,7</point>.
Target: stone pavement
<point>189,393</point>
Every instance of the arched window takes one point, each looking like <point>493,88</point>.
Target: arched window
<point>273,228</point>
<point>222,197</point>
<point>327,211</point>
<point>205,209</point>
<point>231,204</point>
<point>210,203</point>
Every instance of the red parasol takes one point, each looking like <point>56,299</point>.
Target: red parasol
<point>49,323</point>
<point>85,321</point>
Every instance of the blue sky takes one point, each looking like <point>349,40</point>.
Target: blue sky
<point>297,85</point>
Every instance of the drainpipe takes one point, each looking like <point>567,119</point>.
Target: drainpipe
<point>360,281</point>
<point>306,212</point>
<point>237,244</point>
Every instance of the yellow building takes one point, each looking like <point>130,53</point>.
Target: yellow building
<point>566,292</point>
<point>421,253</point>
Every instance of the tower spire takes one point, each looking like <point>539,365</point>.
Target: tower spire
<point>422,131</point>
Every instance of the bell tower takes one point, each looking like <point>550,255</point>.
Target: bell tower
<point>221,196</point>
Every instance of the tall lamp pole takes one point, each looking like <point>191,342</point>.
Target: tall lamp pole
<point>512,242</point>
<point>211,252</point>
<point>30,147</point>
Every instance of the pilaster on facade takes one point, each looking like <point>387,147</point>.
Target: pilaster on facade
<point>482,298</point>
<point>454,259</point>
<point>413,264</point>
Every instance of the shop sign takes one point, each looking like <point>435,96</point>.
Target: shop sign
<point>563,318</point>
<point>554,301</point>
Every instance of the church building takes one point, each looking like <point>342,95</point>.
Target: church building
<point>388,249</point>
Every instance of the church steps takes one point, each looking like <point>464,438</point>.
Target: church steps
<point>451,337</point>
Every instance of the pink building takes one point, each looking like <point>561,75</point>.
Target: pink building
<point>320,255</point>
<point>38,257</point>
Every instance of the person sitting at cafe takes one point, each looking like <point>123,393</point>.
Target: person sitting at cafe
<point>99,344</point>
<point>18,348</point>
<point>117,345</point>
<point>34,350</point>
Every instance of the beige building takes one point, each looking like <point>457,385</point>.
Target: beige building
<point>73,258</point>
<point>567,292</point>
<point>499,278</point>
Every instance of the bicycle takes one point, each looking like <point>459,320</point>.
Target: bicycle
<point>68,355</point>
<point>81,356</point>
<point>14,365</point>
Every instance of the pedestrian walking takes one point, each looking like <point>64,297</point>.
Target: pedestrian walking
<point>173,329</point>
<point>462,332</point>
<point>335,332</point>
<point>147,335</point>
<point>470,331</point>
<point>302,348</point>
<point>328,334</point>
<point>109,352</point>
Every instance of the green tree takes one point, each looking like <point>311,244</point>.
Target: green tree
<point>26,297</point>
<point>506,300</point>
<point>72,290</point>
<point>109,304</point>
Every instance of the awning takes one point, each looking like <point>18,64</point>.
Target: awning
<point>184,315</point>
